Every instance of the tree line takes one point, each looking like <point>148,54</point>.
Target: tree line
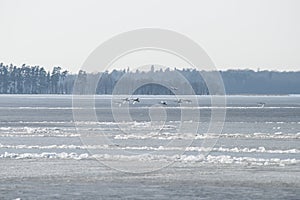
<point>32,80</point>
<point>36,80</point>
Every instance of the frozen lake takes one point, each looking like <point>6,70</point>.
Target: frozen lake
<point>45,154</point>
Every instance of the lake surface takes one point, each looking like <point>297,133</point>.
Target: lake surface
<point>48,152</point>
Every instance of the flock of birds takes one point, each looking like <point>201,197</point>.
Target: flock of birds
<point>137,100</point>
<point>128,100</point>
<point>178,101</point>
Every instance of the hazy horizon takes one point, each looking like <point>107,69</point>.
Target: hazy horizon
<point>235,34</point>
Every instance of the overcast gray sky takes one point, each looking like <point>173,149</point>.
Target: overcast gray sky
<point>235,33</point>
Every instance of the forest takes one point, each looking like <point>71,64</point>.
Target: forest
<point>27,79</point>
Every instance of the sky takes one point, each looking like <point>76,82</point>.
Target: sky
<point>236,34</point>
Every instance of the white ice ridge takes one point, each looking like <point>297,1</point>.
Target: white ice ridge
<point>159,135</point>
<point>62,155</point>
<point>221,159</point>
<point>160,148</point>
<point>37,132</point>
<point>39,135</point>
<point>174,136</point>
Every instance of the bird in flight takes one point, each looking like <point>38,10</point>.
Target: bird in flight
<point>126,100</point>
<point>163,103</point>
<point>261,104</point>
<point>135,100</point>
<point>183,101</point>
<point>174,88</point>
